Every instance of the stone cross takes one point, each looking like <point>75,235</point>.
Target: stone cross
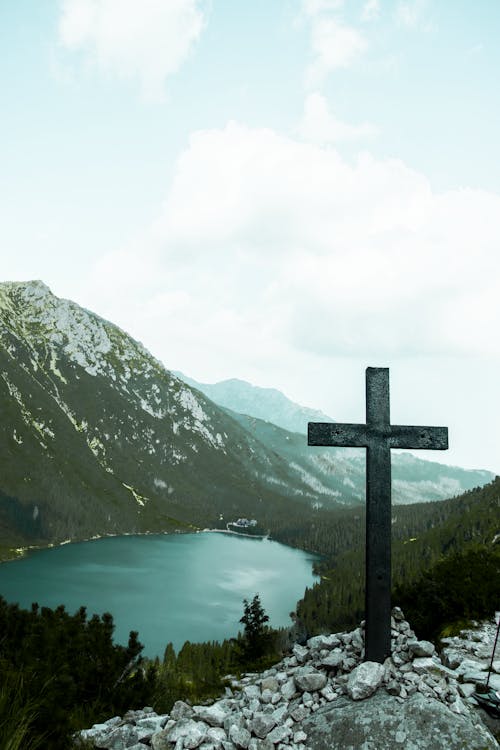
<point>378,436</point>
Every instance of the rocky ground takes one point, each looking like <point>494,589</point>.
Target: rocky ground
<point>312,700</point>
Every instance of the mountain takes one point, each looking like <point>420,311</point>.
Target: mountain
<point>267,404</point>
<point>336,474</point>
<point>97,437</point>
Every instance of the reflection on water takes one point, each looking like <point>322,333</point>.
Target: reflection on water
<point>169,588</point>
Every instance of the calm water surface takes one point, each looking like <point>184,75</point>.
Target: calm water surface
<point>169,588</point>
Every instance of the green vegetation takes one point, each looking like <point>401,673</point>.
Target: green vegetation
<point>459,588</point>
<point>63,672</point>
<point>422,535</point>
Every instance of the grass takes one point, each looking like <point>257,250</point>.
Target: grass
<point>17,716</point>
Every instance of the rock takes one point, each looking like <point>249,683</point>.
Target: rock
<point>279,734</point>
<point>270,710</point>
<point>301,653</point>
<point>365,679</point>
<point>394,687</point>
<point>451,658</point>
<point>251,691</point>
<point>269,683</point>
<point>280,714</point>
<point>299,737</point>
<point>397,613</point>
<point>119,738</point>
<point>216,735</point>
<point>426,723</point>
<point>181,710</point>
<point>426,664</point>
<point>421,648</point>
<point>192,733</point>
<point>267,696</point>
<point>155,723</point>
<point>466,689</point>
<point>300,713</point>
<point>333,660</point>
<point>318,642</point>
<point>262,724</point>
<point>213,715</point>
<point>288,689</point>
<point>308,678</point>
<point>239,736</point>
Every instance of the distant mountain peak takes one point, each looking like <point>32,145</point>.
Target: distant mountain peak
<point>268,404</point>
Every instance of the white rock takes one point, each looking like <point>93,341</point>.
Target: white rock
<point>421,648</point>
<point>365,679</point>
<point>262,724</point>
<point>239,736</point>
<point>213,715</point>
<point>279,734</point>
<point>269,683</point>
<point>288,689</point>
<point>192,733</point>
<point>308,678</point>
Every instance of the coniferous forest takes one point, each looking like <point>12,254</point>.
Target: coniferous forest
<point>62,671</point>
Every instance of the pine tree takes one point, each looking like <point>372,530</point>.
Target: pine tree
<point>257,637</point>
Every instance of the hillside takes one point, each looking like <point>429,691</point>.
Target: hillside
<point>267,404</point>
<point>422,535</point>
<point>97,437</point>
<point>336,474</point>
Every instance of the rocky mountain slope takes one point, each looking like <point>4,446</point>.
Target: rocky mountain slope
<point>267,404</point>
<point>324,696</point>
<point>96,436</point>
<point>336,474</point>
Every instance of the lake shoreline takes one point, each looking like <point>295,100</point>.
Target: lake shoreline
<point>19,553</point>
<point>170,588</point>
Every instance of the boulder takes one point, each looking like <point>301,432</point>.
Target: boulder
<point>421,648</point>
<point>365,679</point>
<point>309,679</point>
<point>385,723</point>
<point>181,710</point>
<point>192,733</point>
<point>213,715</point>
<point>239,736</point>
<point>119,738</point>
<point>262,724</point>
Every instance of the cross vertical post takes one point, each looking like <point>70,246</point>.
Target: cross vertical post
<point>378,436</point>
<point>378,519</point>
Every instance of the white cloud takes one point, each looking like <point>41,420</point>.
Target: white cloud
<point>319,125</point>
<point>410,13</point>
<point>315,7</point>
<point>270,245</point>
<point>334,45</point>
<point>146,40</point>
<point>370,11</point>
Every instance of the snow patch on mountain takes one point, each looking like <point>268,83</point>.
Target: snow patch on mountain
<point>412,492</point>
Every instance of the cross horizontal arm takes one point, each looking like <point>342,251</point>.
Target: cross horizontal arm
<point>408,436</point>
<point>337,434</point>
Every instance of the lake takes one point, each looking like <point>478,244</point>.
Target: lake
<point>168,587</point>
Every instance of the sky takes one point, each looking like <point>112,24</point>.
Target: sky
<point>282,191</point>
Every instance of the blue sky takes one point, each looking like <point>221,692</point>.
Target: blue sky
<point>285,192</point>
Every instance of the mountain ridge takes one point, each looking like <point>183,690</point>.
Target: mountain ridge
<point>338,471</point>
<point>87,412</point>
<point>97,437</point>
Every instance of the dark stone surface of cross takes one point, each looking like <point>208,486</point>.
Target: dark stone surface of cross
<point>378,436</point>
